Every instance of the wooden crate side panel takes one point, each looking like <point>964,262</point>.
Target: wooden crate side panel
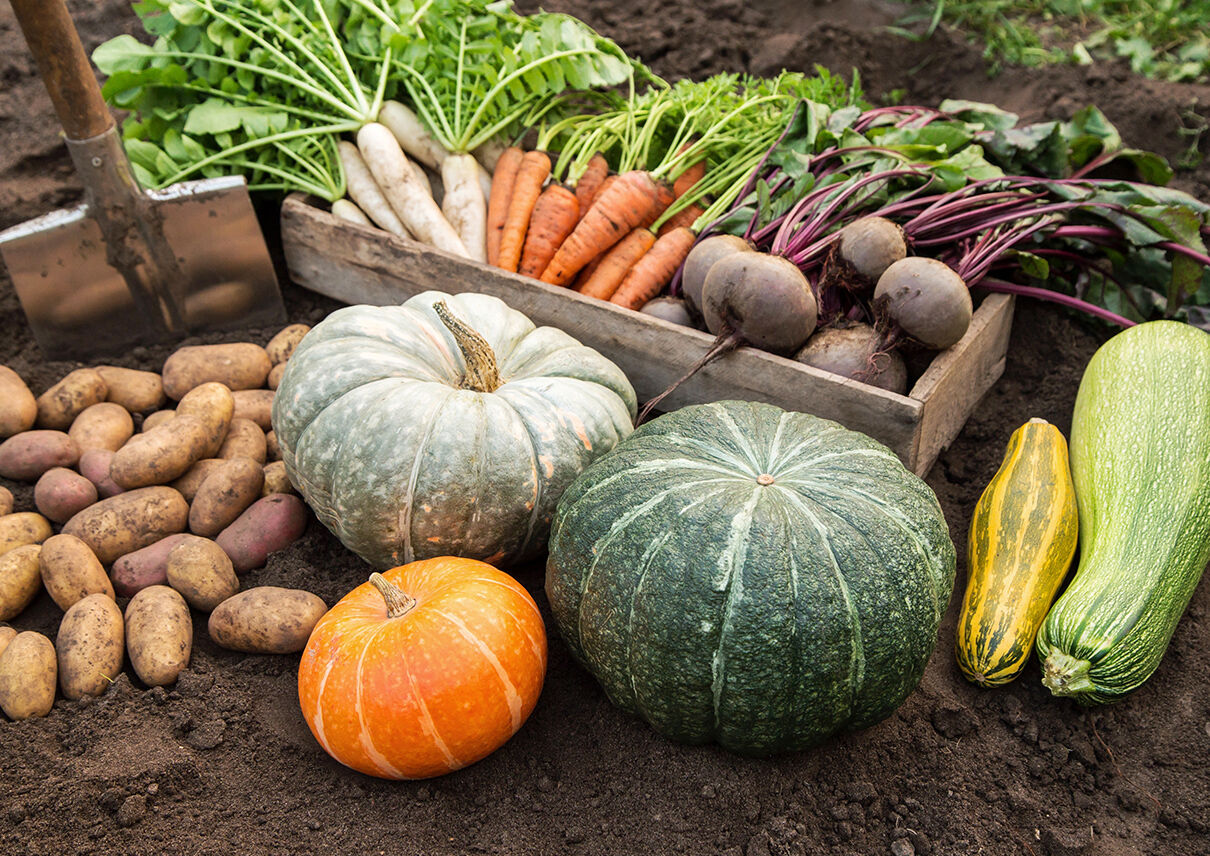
<point>958,378</point>
<point>358,265</point>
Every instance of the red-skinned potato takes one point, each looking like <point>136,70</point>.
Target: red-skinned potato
<point>94,465</point>
<point>26,456</point>
<point>270,524</point>
<point>136,571</point>
<point>60,493</point>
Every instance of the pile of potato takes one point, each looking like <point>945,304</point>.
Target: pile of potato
<point>168,517</point>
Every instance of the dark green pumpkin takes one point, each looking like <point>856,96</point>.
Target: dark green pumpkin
<point>733,572</point>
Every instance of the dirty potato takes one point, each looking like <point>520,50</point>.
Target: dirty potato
<point>18,408</point>
<point>26,456</point>
<point>245,439</point>
<point>102,426</point>
<point>158,418</point>
<point>266,620</point>
<point>162,454</point>
<point>276,480</point>
<point>214,404</point>
<point>62,403</point>
<point>224,496</point>
<point>28,674</point>
<point>91,645</point>
<point>6,501</point>
<point>200,570</point>
<point>129,521</point>
<point>7,635</point>
<point>20,580</point>
<point>61,493</point>
<point>272,452</point>
<point>159,635</point>
<point>271,523</point>
<point>137,391</point>
<point>21,528</point>
<point>282,345</point>
<point>255,404</point>
<point>273,381</point>
<point>94,465</point>
<point>71,571</point>
<point>240,365</point>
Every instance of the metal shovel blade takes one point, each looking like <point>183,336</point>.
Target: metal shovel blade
<point>78,305</point>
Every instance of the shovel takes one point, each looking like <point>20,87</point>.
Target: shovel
<point>128,267</point>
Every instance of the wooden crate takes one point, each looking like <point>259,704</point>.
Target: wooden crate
<point>361,265</point>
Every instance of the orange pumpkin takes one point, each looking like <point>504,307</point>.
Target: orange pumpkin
<point>423,670</point>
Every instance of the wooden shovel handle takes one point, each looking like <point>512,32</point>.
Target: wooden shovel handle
<point>64,67</point>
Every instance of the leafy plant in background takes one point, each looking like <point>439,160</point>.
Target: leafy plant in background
<point>267,88</point>
<point>1165,39</point>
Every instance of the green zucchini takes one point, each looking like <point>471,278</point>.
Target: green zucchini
<point>1140,461</point>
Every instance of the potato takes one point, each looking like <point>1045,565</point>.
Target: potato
<point>129,521</point>
<point>21,528</point>
<point>6,635</point>
<point>18,409</point>
<point>276,480</point>
<point>255,404</point>
<point>62,403</point>
<point>192,480</point>
<point>91,645</point>
<point>61,492</point>
<point>224,495</point>
<point>137,391</point>
<point>94,466</point>
<point>102,426</point>
<point>162,454</point>
<point>6,501</point>
<point>273,381</point>
<point>282,345</point>
<point>214,405</point>
<point>20,580</point>
<point>200,570</point>
<point>271,523</point>
<point>136,571</point>
<point>241,365</point>
<point>28,674</point>
<point>71,571</point>
<point>266,620</point>
<point>159,635</point>
<point>157,418</point>
<point>245,439</point>
<point>26,456</point>
<point>272,452</point>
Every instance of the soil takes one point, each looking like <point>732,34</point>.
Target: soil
<point>223,761</point>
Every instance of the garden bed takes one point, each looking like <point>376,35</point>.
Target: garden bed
<point>224,763</point>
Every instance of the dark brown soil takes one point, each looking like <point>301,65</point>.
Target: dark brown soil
<point>223,763</point>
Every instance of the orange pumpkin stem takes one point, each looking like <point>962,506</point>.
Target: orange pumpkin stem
<point>482,371</point>
<point>398,601</point>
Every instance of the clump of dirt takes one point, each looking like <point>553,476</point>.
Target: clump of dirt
<point>223,762</point>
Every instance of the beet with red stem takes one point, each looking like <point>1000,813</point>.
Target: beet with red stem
<point>925,298</point>
<point>856,351</point>
<point>701,259</point>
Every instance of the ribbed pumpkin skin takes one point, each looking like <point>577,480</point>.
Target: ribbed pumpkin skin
<point>1140,460</point>
<point>400,463</point>
<point>1021,542</point>
<point>764,617</point>
<point>432,690</point>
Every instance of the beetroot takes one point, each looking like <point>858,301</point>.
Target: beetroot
<point>699,261</point>
<point>869,246</point>
<point>927,299</point>
<point>762,299</point>
<point>855,352</point>
<point>672,309</point>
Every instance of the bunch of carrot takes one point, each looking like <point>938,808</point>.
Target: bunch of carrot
<point>613,237</point>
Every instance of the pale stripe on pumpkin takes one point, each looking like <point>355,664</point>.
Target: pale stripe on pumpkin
<point>511,697</point>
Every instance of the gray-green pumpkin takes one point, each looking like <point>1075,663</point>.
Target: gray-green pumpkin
<point>447,426</point>
<point>733,572</point>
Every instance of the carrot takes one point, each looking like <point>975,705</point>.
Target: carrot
<point>590,182</point>
<point>585,274</point>
<point>555,214</point>
<point>664,198</point>
<point>685,217</point>
<point>615,263</point>
<point>688,178</point>
<point>502,192</point>
<point>655,269</point>
<point>534,168</point>
<point>617,210</point>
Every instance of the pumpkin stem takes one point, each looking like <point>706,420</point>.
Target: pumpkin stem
<point>1064,675</point>
<point>398,602</point>
<point>482,371</point>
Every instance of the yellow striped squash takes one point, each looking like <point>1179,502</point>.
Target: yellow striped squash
<point>1022,539</point>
